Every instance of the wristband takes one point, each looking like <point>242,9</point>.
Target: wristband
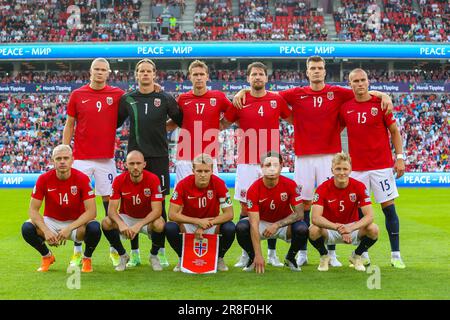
<point>400,156</point>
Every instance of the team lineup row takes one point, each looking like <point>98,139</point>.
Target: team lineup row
<point>318,113</point>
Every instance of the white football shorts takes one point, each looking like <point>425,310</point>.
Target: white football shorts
<point>56,226</point>
<point>190,228</point>
<point>130,221</point>
<point>334,237</point>
<point>312,171</point>
<point>102,170</point>
<point>246,174</point>
<point>381,182</point>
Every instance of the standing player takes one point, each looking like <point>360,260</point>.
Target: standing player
<point>195,208</point>
<point>137,191</point>
<point>270,201</point>
<point>201,109</point>
<point>335,217</point>
<point>259,133</point>
<point>91,121</point>
<point>148,111</point>
<point>69,211</point>
<point>369,147</point>
<point>315,116</point>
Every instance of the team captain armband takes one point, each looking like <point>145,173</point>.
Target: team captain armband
<point>225,202</point>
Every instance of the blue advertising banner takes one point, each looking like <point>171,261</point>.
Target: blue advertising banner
<point>410,180</point>
<point>224,50</point>
<point>222,86</point>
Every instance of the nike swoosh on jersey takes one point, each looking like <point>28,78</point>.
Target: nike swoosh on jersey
<point>189,197</point>
<point>303,97</point>
<point>84,101</point>
<point>330,201</point>
<point>50,190</point>
<point>125,193</point>
<point>187,102</point>
<point>350,111</point>
<point>263,200</point>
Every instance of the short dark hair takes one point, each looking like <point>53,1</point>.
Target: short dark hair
<point>259,65</point>
<point>314,59</point>
<point>271,154</point>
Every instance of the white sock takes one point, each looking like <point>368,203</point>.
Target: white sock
<point>112,250</point>
<point>244,254</point>
<point>135,251</point>
<point>303,253</point>
<point>271,252</point>
<point>77,249</point>
<point>395,255</point>
<point>47,255</point>
<point>162,251</point>
<point>365,255</point>
<point>332,253</point>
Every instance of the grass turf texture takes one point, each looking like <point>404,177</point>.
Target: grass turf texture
<point>425,230</point>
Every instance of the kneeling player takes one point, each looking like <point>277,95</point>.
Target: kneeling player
<point>69,211</point>
<point>139,194</point>
<point>195,207</point>
<point>270,200</point>
<point>335,216</point>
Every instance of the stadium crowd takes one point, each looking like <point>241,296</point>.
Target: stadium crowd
<point>436,74</point>
<point>119,20</point>
<point>31,126</point>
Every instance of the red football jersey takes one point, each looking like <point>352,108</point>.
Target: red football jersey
<point>64,199</point>
<point>201,119</point>
<point>259,126</point>
<point>136,198</point>
<point>95,112</point>
<point>201,203</point>
<point>341,205</point>
<point>316,118</point>
<point>273,204</point>
<point>368,138</point>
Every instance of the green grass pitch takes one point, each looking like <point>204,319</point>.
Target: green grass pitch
<point>425,230</point>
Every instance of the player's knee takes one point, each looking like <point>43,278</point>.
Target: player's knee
<point>93,227</point>
<point>372,231</point>
<point>300,228</point>
<point>387,204</point>
<point>107,223</point>
<point>172,229</point>
<point>158,225</point>
<point>307,204</point>
<point>228,228</point>
<point>28,230</point>
<point>314,232</point>
<point>243,227</point>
